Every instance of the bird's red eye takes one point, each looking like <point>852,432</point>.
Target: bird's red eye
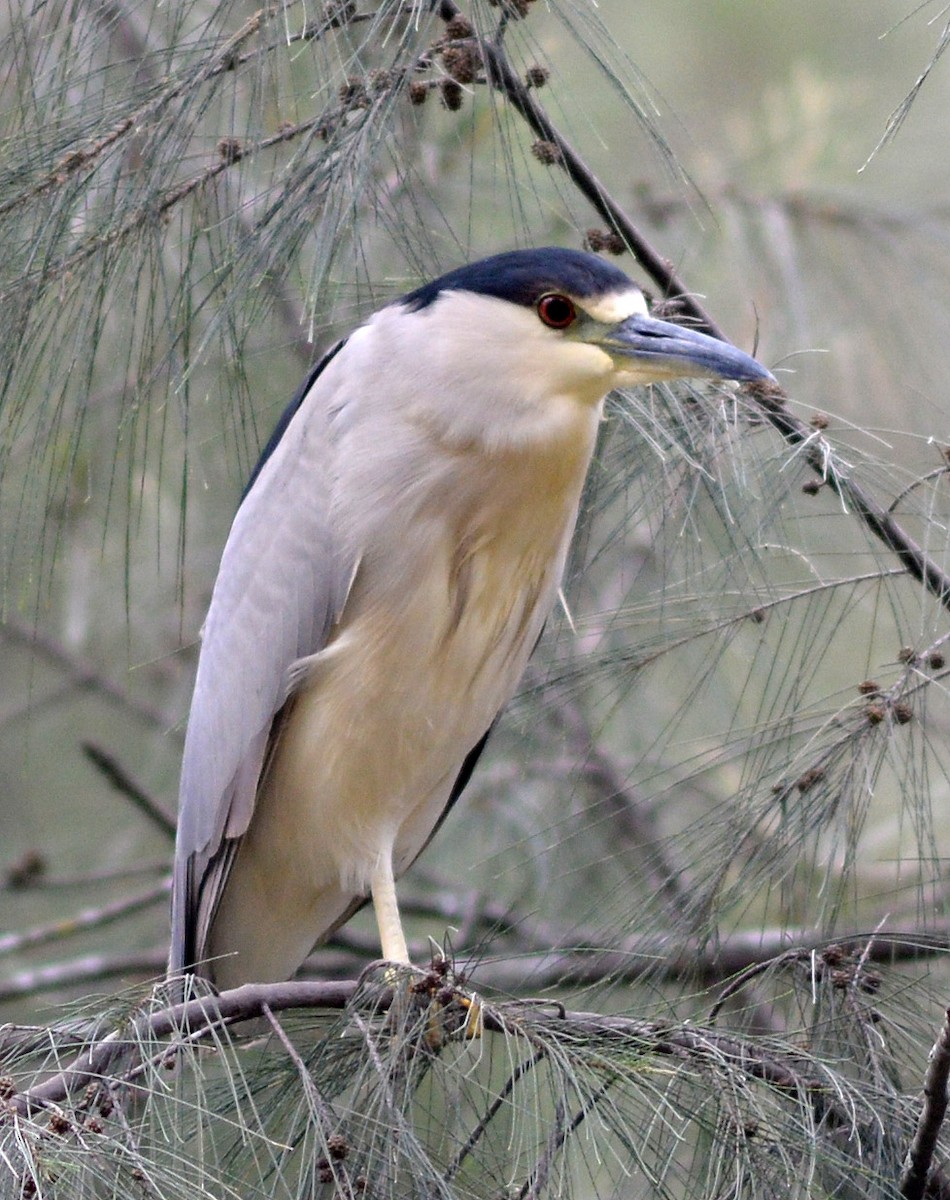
<point>557,311</point>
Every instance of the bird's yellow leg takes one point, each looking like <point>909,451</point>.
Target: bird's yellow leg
<point>391,937</point>
<point>394,950</point>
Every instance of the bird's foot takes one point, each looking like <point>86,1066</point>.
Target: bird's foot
<point>429,1001</point>
<point>451,1011</point>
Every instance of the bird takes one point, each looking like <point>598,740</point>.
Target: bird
<point>389,570</point>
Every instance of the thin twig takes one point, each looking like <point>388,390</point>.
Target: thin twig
<point>913,1183</point>
<point>88,968</point>
<point>537,1181</point>
<point>110,767</point>
<point>115,17</point>
<point>81,672</point>
<point>771,399</point>
<point>752,972</point>
<point>491,1112</point>
<point>86,918</point>
<point>157,206</point>
<point>217,63</point>
<point>328,1118</point>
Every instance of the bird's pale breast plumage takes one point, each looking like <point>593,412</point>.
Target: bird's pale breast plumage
<point>368,751</point>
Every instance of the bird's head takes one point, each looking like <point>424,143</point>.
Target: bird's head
<point>557,321</point>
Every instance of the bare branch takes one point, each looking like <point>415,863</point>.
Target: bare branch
<point>81,672</point>
<point>782,1069</point>
<point>537,1181</point>
<point>110,767</point>
<point>244,1003</point>
<point>30,873</point>
<point>771,399</point>
<point>87,918</point>
<point>920,1156</point>
<point>88,968</point>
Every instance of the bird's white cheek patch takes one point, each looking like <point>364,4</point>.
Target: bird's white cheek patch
<point>617,306</point>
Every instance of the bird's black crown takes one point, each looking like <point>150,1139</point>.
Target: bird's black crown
<point>523,276</point>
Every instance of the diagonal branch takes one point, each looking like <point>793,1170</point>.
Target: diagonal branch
<point>771,399</point>
<point>86,918</point>
<point>113,771</point>
<point>502,1098</point>
<point>80,673</point>
<point>914,1180</point>
<point>537,1181</point>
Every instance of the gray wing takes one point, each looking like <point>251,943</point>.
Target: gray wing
<point>279,589</point>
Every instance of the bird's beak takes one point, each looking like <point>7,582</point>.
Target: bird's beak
<point>653,349</point>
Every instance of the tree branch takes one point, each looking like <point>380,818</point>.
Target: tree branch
<point>113,771</point>
<point>86,918</point>
<point>781,1069</point>
<point>770,399</point>
<point>537,1180</point>
<point>243,1003</point>
<point>913,1184</point>
<point>80,672</point>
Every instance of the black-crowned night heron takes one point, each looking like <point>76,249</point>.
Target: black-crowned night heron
<point>387,575</point>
